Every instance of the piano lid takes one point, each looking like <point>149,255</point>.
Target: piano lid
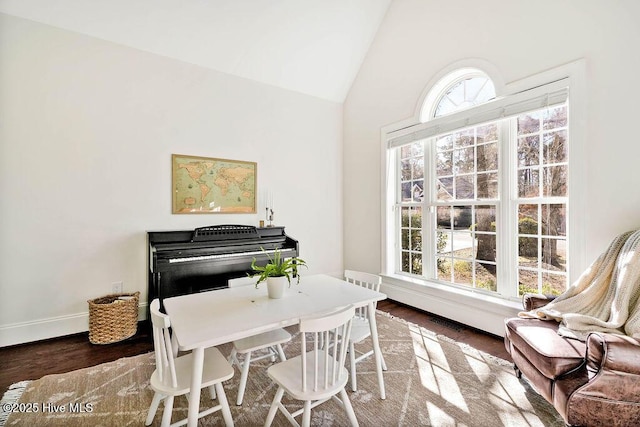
<point>224,232</point>
<point>217,235</point>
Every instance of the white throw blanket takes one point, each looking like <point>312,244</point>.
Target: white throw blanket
<point>605,298</point>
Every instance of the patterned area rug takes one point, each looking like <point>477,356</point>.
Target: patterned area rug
<point>431,381</point>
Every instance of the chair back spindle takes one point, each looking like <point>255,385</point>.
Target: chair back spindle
<point>328,349</point>
<point>365,280</point>
<point>164,353</point>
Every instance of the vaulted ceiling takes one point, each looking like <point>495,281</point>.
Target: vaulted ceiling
<point>314,47</point>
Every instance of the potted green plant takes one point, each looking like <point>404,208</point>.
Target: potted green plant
<point>277,272</point>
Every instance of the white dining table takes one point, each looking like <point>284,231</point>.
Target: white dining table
<point>208,319</point>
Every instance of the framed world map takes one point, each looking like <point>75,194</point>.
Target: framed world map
<point>210,185</point>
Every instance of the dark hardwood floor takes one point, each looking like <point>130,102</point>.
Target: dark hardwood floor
<point>57,355</point>
<point>480,340</point>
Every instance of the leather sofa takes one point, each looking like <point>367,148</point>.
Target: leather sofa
<point>590,383</point>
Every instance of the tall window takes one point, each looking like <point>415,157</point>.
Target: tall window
<point>542,173</point>
<point>481,193</point>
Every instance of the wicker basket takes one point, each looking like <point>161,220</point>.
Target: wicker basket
<point>113,318</point>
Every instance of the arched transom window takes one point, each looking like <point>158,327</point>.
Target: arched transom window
<point>465,93</point>
<point>458,90</point>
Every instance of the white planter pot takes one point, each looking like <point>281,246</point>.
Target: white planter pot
<point>276,286</point>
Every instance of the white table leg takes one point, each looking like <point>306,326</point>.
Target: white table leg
<point>196,384</point>
<point>376,348</point>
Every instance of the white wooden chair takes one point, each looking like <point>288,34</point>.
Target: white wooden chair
<point>360,329</point>
<point>318,375</point>
<point>270,341</point>
<point>172,376</point>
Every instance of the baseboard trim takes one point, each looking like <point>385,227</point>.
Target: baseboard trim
<point>42,329</point>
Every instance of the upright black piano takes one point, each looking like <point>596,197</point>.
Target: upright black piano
<point>186,262</point>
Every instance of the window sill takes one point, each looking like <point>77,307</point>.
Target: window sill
<point>476,309</point>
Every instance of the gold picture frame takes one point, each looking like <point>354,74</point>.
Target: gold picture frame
<point>204,185</point>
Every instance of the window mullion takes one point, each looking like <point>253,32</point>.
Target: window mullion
<point>507,229</point>
<point>395,250</point>
<point>428,210</point>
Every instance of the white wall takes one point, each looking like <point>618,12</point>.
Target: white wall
<point>419,38</point>
<point>87,129</point>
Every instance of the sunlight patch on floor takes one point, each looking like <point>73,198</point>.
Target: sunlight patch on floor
<point>462,382</point>
<point>438,417</point>
<point>507,392</point>
<point>434,369</point>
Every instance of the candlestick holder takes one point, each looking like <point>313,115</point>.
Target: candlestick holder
<point>270,217</point>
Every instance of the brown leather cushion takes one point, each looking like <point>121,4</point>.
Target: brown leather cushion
<point>538,340</point>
